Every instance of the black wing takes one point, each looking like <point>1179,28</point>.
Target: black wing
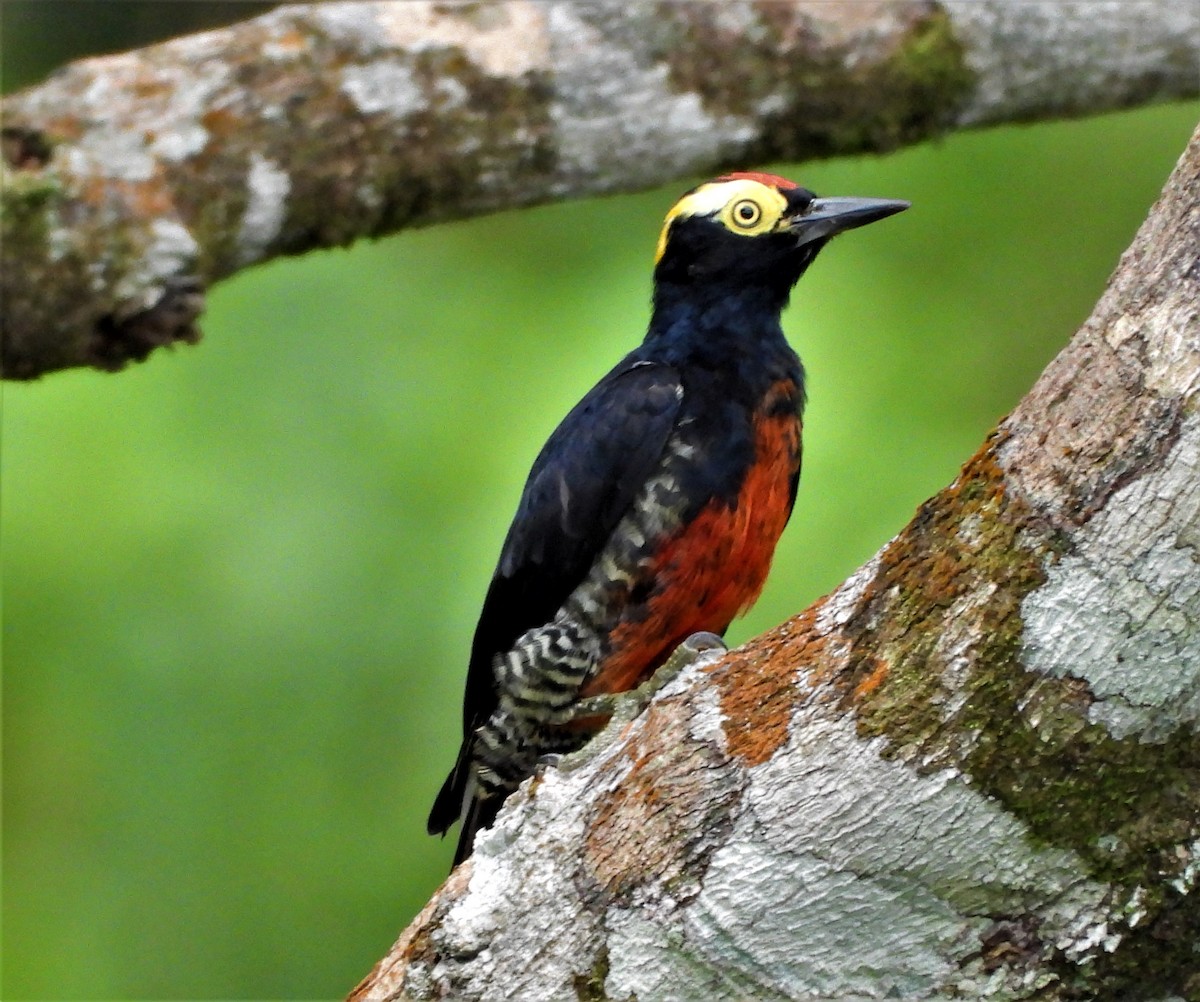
<point>584,480</point>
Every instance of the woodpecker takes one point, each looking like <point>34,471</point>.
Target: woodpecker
<point>653,510</point>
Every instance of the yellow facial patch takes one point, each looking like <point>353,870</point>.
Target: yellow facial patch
<point>743,206</point>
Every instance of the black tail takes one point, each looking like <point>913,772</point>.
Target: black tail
<point>479,815</point>
<point>450,805</point>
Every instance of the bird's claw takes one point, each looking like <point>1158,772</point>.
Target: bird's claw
<point>697,644</point>
<point>687,653</point>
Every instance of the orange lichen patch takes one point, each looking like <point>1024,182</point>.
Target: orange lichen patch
<point>146,87</point>
<point>289,41</point>
<point>62,128</point>
<point>94,191</point>
<point>873,680</point>
<point>671,808</point>
<point>149,199</point>
<point>221,122</point>
<point>760,686</point>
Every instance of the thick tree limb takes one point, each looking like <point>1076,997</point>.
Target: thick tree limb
<point>132,182</point>
<point>973,771</point>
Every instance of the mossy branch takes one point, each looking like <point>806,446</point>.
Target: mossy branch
<point>133,182</point>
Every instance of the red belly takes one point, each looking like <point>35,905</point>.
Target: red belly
<point>714,568</point>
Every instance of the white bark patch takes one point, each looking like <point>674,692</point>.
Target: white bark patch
<point>843,603</point>
<point>1185,883</point>
<point>497,922</point>
<point>888,876</point>
<point>267,186</point>
<point>616,112</point>
<point>1122,611</point>
<point>180,143</point>
<point>383,87</point>
<point>115,155</point>
<point>707,722</point>
<point>1170,332</point>
<point>521,903</point>
<point>1055,53</point>
<point>171,250</point>
<point>836,611</point>
<point>502,39</point>
<point>970,530</point>
<point>673,974</point>
<point>954,653</point>
<point>164,123</point>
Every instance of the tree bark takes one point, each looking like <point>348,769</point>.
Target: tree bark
<point>133,182</point>
<point>972,771</point>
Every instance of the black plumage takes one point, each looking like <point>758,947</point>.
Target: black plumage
<point>670,439</point>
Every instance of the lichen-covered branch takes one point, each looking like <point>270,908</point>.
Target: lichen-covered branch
<point>132,182</point>
<point>973,771</point>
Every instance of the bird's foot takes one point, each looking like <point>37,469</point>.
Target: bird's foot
<point>622,707</point>
<point>687,653</point>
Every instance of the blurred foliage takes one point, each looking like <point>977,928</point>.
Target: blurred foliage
<point>240,580</point>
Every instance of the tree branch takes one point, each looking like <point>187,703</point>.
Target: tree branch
<point>132,182</point>
<point>971,771</point>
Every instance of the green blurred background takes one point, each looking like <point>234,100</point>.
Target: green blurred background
<point>240,580</point>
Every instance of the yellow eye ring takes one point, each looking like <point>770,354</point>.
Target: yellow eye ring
<point>746,213</point>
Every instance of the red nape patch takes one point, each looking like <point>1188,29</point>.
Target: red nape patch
<point>771,180</point>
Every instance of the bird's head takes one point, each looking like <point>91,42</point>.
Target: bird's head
<point>755,230</point>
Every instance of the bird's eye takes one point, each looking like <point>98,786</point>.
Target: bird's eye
<point>746,213</point>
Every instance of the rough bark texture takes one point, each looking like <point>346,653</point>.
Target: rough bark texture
<point>132,182</point>
<point>973,771</point>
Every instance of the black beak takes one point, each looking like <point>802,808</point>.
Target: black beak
<point>826,217</point>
